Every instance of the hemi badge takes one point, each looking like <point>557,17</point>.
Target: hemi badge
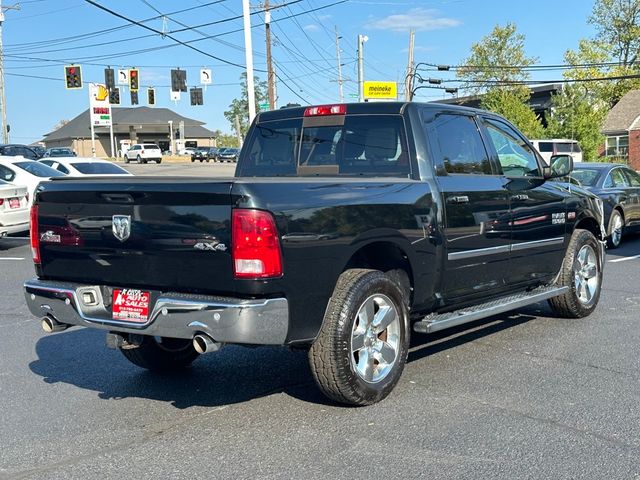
<point>571,215</point>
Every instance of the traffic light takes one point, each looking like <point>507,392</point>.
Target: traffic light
<point>151,96</point>
<point>134,97</point>
<point>178,80</point>
<point>73,76</point>
<point>109,79</point>
<point>196,96</point>
<point>114,96</point>
<point>134,80</point>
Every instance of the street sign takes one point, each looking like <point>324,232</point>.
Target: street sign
<point>381,90</point>
<point>264,107</point>
<point>353,95</point>
<point>99,105</point>
<point>123,77</point>
<point>205,76</point>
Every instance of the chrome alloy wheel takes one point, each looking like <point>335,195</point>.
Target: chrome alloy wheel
<point>585,274</point>
<point>375,339</point>
<point>616,230</point>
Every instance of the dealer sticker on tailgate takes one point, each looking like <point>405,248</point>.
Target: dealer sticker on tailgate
<point>130,305</point>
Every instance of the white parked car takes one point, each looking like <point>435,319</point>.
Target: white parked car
<point>80,166</point>
<point>14,208</point>
<point>558,146</point>
<point>143,153</point>
<point>20,171</point>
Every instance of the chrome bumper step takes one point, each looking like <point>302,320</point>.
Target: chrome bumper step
<point>439,321</point>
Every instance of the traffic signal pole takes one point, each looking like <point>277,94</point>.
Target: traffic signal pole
<point>93,132</point>
<point>3,96</point>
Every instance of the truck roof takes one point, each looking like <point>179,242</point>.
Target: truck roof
<point>373,108</point>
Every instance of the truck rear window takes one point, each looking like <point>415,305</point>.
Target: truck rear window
<point>364,146</point>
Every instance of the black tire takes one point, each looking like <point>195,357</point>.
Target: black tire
<point>193,160</point>
<point>616,222</point>
<point>576,303</point>
<point>138,159</point>
<point>333,359</point>
<point>158,161</point>
<point>167,355</point>
<point>126,159</point>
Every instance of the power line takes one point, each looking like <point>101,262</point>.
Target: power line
<point>135,22</point>
<point>106,30</point>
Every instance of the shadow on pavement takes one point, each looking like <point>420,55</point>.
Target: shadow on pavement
<point>10,243</point>
<point>233,375</point>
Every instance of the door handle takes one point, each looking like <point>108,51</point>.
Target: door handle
<point>520,196</point>
<point>458,199</point>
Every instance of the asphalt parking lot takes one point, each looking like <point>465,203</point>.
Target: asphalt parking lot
<point>520,395</point>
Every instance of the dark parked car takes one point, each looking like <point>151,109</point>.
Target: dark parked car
<point>212,154</point>
<point>619,188</point>
<point>15,150</point>
<point>40,150</point>
<point>200,154</point>
<point>228,155</point>
<point>59,152</point>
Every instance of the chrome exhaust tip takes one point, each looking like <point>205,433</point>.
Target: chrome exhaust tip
<point>205,344</point>
<point>51,325</point>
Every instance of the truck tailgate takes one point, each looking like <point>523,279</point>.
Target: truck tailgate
<point>143,232</point>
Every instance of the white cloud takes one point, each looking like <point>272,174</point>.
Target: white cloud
<point>417,19</point>
<point>312,27</point>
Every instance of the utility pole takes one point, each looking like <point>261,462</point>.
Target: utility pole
<point>339,66</point>
<point>361,41</point>
<point>248,51</point>
<point>3,95</point>
<point>408,80</point>
<point>271,76</point>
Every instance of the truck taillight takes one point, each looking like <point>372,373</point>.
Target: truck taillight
<point>33,233</point>
<point>255,245</point>
<point>323,110</point>
<point>1,201</point>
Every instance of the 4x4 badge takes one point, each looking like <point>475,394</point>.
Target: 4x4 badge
<point>121,226</point>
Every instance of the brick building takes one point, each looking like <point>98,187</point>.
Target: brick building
<point>622,131</point>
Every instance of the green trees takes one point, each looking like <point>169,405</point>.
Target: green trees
<point>496,67</point>
<point>240,106</point>
<point>580,110</point>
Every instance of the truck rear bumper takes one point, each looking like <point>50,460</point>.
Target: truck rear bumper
<point>175,315</point>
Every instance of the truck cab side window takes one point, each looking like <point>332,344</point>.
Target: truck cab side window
<point>461,148</point>
<point>516,157</point>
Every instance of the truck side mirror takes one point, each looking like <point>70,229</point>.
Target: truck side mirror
<point>561,166</point>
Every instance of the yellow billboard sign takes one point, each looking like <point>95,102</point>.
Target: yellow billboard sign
<point>381,90</point>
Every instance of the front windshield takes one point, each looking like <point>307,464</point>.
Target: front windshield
<point>38,169</point>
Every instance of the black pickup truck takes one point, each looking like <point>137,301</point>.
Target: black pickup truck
<point>345,228</point>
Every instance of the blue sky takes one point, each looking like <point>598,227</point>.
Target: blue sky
<point>37,43</point>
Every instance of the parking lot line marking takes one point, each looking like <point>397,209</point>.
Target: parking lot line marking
<point>11,258</point>
<point>624,259</point>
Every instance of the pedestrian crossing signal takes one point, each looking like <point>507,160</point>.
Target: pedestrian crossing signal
<point>151,96</point>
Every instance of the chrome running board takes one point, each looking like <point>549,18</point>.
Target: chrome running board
<point>439,321</point>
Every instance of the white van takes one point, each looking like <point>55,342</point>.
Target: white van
<point>558,146</point>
